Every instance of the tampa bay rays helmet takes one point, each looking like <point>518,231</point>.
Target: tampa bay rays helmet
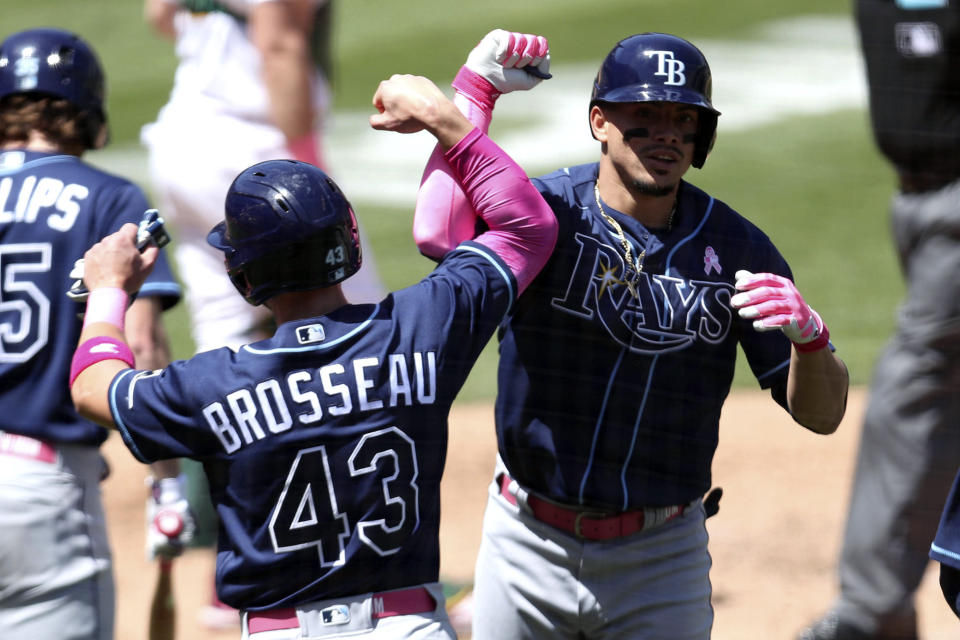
<point>659,67</point>
<point>57,63</point>
<point>287,227</point>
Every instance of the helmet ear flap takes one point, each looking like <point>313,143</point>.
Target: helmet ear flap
<point>706,137</point>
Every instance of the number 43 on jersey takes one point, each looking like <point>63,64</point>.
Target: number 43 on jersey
<point>309,514</point>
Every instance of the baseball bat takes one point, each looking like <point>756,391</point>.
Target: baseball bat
<point>537,73</point>
<point>163,611</point>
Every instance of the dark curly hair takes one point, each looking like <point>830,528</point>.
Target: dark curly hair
<point>71,129</point>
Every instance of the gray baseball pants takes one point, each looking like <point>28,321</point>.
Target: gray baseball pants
<point>910,445</point>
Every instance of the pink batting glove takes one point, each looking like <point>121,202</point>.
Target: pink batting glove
<point>773,302</point>
<point>502,62</point>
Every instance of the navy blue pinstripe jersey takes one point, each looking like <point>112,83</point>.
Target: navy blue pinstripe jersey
<point>52,209</point>
<point>324,445</point>
<point>613,401</point>
<point>946,544</point>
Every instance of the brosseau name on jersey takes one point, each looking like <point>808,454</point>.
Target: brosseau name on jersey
<point>272,406</point>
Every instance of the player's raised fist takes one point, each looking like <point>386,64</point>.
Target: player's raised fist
<point>408,103</point>
<point>115,261</point>
<point>511,61</point>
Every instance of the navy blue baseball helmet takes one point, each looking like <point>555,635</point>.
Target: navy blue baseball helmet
<point>287,227</point>
<point>659,67</point>
<point>57,63</point>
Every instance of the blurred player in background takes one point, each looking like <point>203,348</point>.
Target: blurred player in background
<point>946,548</point>
<point>325,444</point>
<point>910,445</point>
<point>616,361</point>
<point>251,85</point>
<point>55,559</point>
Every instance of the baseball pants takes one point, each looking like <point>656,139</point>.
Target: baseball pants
<point>910,445</point>
<point>535,581</point>
<point>55,572</point>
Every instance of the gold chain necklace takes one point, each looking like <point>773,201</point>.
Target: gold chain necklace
<point>631,265</point>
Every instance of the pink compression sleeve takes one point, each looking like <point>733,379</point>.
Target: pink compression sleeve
<point>522,227</point>
<point>443,217</point>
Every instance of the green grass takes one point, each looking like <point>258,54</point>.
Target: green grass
<point>820,189</point>
<point>375,38</point>
<point>432,37</point>
<point>816,184</point>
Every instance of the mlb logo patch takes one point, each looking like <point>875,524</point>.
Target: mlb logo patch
<point>918,39</point>
<point>336,614</point>
<point>311,334</point>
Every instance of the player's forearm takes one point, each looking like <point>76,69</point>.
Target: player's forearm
<point>90,387</point>
<point>166,468</point>
<point>817,390</point>
<point>159,14</point>
<point>287,70</point>
<point>522,227</point>
<point>443,217</point>
<point>146,335</point>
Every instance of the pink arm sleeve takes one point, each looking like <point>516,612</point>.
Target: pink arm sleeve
<point>522,227</point>
<point>443,217</point>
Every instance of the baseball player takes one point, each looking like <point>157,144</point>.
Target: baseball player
<point>54,555</point>
<point>946,548</point>
<point>910,442</point>
<point>246,90</point>
<point>251,85</point>
<point>324,444</point>
<point>615,362</point>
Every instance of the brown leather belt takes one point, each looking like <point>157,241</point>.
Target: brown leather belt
<point>592,525</point>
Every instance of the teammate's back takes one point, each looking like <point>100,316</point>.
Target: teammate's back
<point>324,445</point>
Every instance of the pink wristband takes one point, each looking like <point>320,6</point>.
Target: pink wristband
<point>476,87</point>
<point>816,344</point>
<point>107,304</point>
<point>97,350</point>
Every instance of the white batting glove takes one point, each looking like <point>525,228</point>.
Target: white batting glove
<point>510,61</point>
<point>170,522</point>
<point>78,291</point>
<point>773,302</point>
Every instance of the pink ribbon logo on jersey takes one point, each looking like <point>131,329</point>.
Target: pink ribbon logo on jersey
<point>711,261</point>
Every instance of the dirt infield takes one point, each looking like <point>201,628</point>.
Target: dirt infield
<point>773,543</point>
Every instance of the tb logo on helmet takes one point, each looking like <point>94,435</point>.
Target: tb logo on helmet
<point>26,70</point>
<point>670,67</point>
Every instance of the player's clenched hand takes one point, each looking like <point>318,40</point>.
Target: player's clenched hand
<point>408,104</point>
<point>773,302</point>
<point>116,262</point>
<point>510,61</point>
<point>170,521</point>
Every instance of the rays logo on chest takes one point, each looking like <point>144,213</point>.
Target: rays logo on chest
<point>669,312</point>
